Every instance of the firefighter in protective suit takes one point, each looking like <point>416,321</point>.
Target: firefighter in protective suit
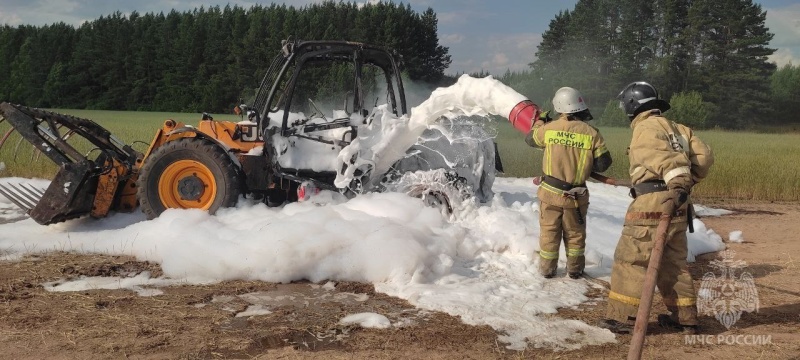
<point>666,160</point>
<point>573,150</point>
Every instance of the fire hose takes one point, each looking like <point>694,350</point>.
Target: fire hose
<point>649,287</point>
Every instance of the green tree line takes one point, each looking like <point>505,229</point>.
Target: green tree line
<point>708,57</point>
<point>201,60</point>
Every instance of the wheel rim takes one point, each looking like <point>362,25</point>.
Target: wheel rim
<point>187,184</point>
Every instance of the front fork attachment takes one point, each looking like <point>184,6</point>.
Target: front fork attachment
<point>82,185</point>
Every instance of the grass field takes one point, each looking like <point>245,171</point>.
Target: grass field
<point>135,128</point>
<point>748,165</point>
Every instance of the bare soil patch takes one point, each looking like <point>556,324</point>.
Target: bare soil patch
<point>199,321</point>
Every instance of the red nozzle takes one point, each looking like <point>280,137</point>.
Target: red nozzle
<point>523,115</point>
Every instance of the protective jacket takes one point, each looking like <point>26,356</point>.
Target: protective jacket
<point>573,150</point>
<point>662,150</point>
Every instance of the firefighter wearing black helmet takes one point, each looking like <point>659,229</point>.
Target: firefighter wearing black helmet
<point>666,160</point>
<point>573,150</point>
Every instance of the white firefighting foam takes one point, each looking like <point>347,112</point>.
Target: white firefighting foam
<point>480,266</point>
<point>386,138</point>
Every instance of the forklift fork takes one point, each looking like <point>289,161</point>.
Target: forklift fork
<point>82,186</point>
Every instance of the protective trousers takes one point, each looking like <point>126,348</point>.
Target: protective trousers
<point>556,224</point>
<point>630,263</point>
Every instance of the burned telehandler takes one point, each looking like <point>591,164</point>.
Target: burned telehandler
<point>274,149</point>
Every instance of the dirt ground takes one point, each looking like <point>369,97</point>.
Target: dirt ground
<point>199,322</point>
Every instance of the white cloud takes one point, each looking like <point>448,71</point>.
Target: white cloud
<point>40,12</point>
<point>421,3</point>
<point>498,60</point>
<point>362,4</point>
<point>461,17</point>
<point>498,53</point>
<point>449,17</point>
<point>785,24</point>
<point>462,65</point>
<point>75,12</point>
<point>12,19</point>
<point>449,39</point>
<point>784,56</point>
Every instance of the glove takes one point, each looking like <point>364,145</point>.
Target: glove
<point>678,193</point>
<point>677,197</point>
<point>545,117</point>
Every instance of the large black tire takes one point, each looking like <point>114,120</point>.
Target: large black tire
<point>189,173</point>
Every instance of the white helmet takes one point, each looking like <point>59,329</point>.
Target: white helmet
<point>568,101</point>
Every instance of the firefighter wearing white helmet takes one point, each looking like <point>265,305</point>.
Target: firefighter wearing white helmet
<point>573,150</point>
<point>569,101</point>
<point>666,160</point>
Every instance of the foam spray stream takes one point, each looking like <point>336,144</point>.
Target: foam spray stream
<point>386,138</point>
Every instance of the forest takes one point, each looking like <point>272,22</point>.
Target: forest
<point>707,57</point>
<point>203,60</point>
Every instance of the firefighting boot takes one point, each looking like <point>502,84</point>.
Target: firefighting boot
<point>666,321</point>
<point>547,274</point>
<point>548,264</point>
<point>615,326</point>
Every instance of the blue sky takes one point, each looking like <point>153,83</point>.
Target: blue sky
<point>482,35</point>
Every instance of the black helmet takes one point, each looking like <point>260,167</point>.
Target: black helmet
<point>638,97</point>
